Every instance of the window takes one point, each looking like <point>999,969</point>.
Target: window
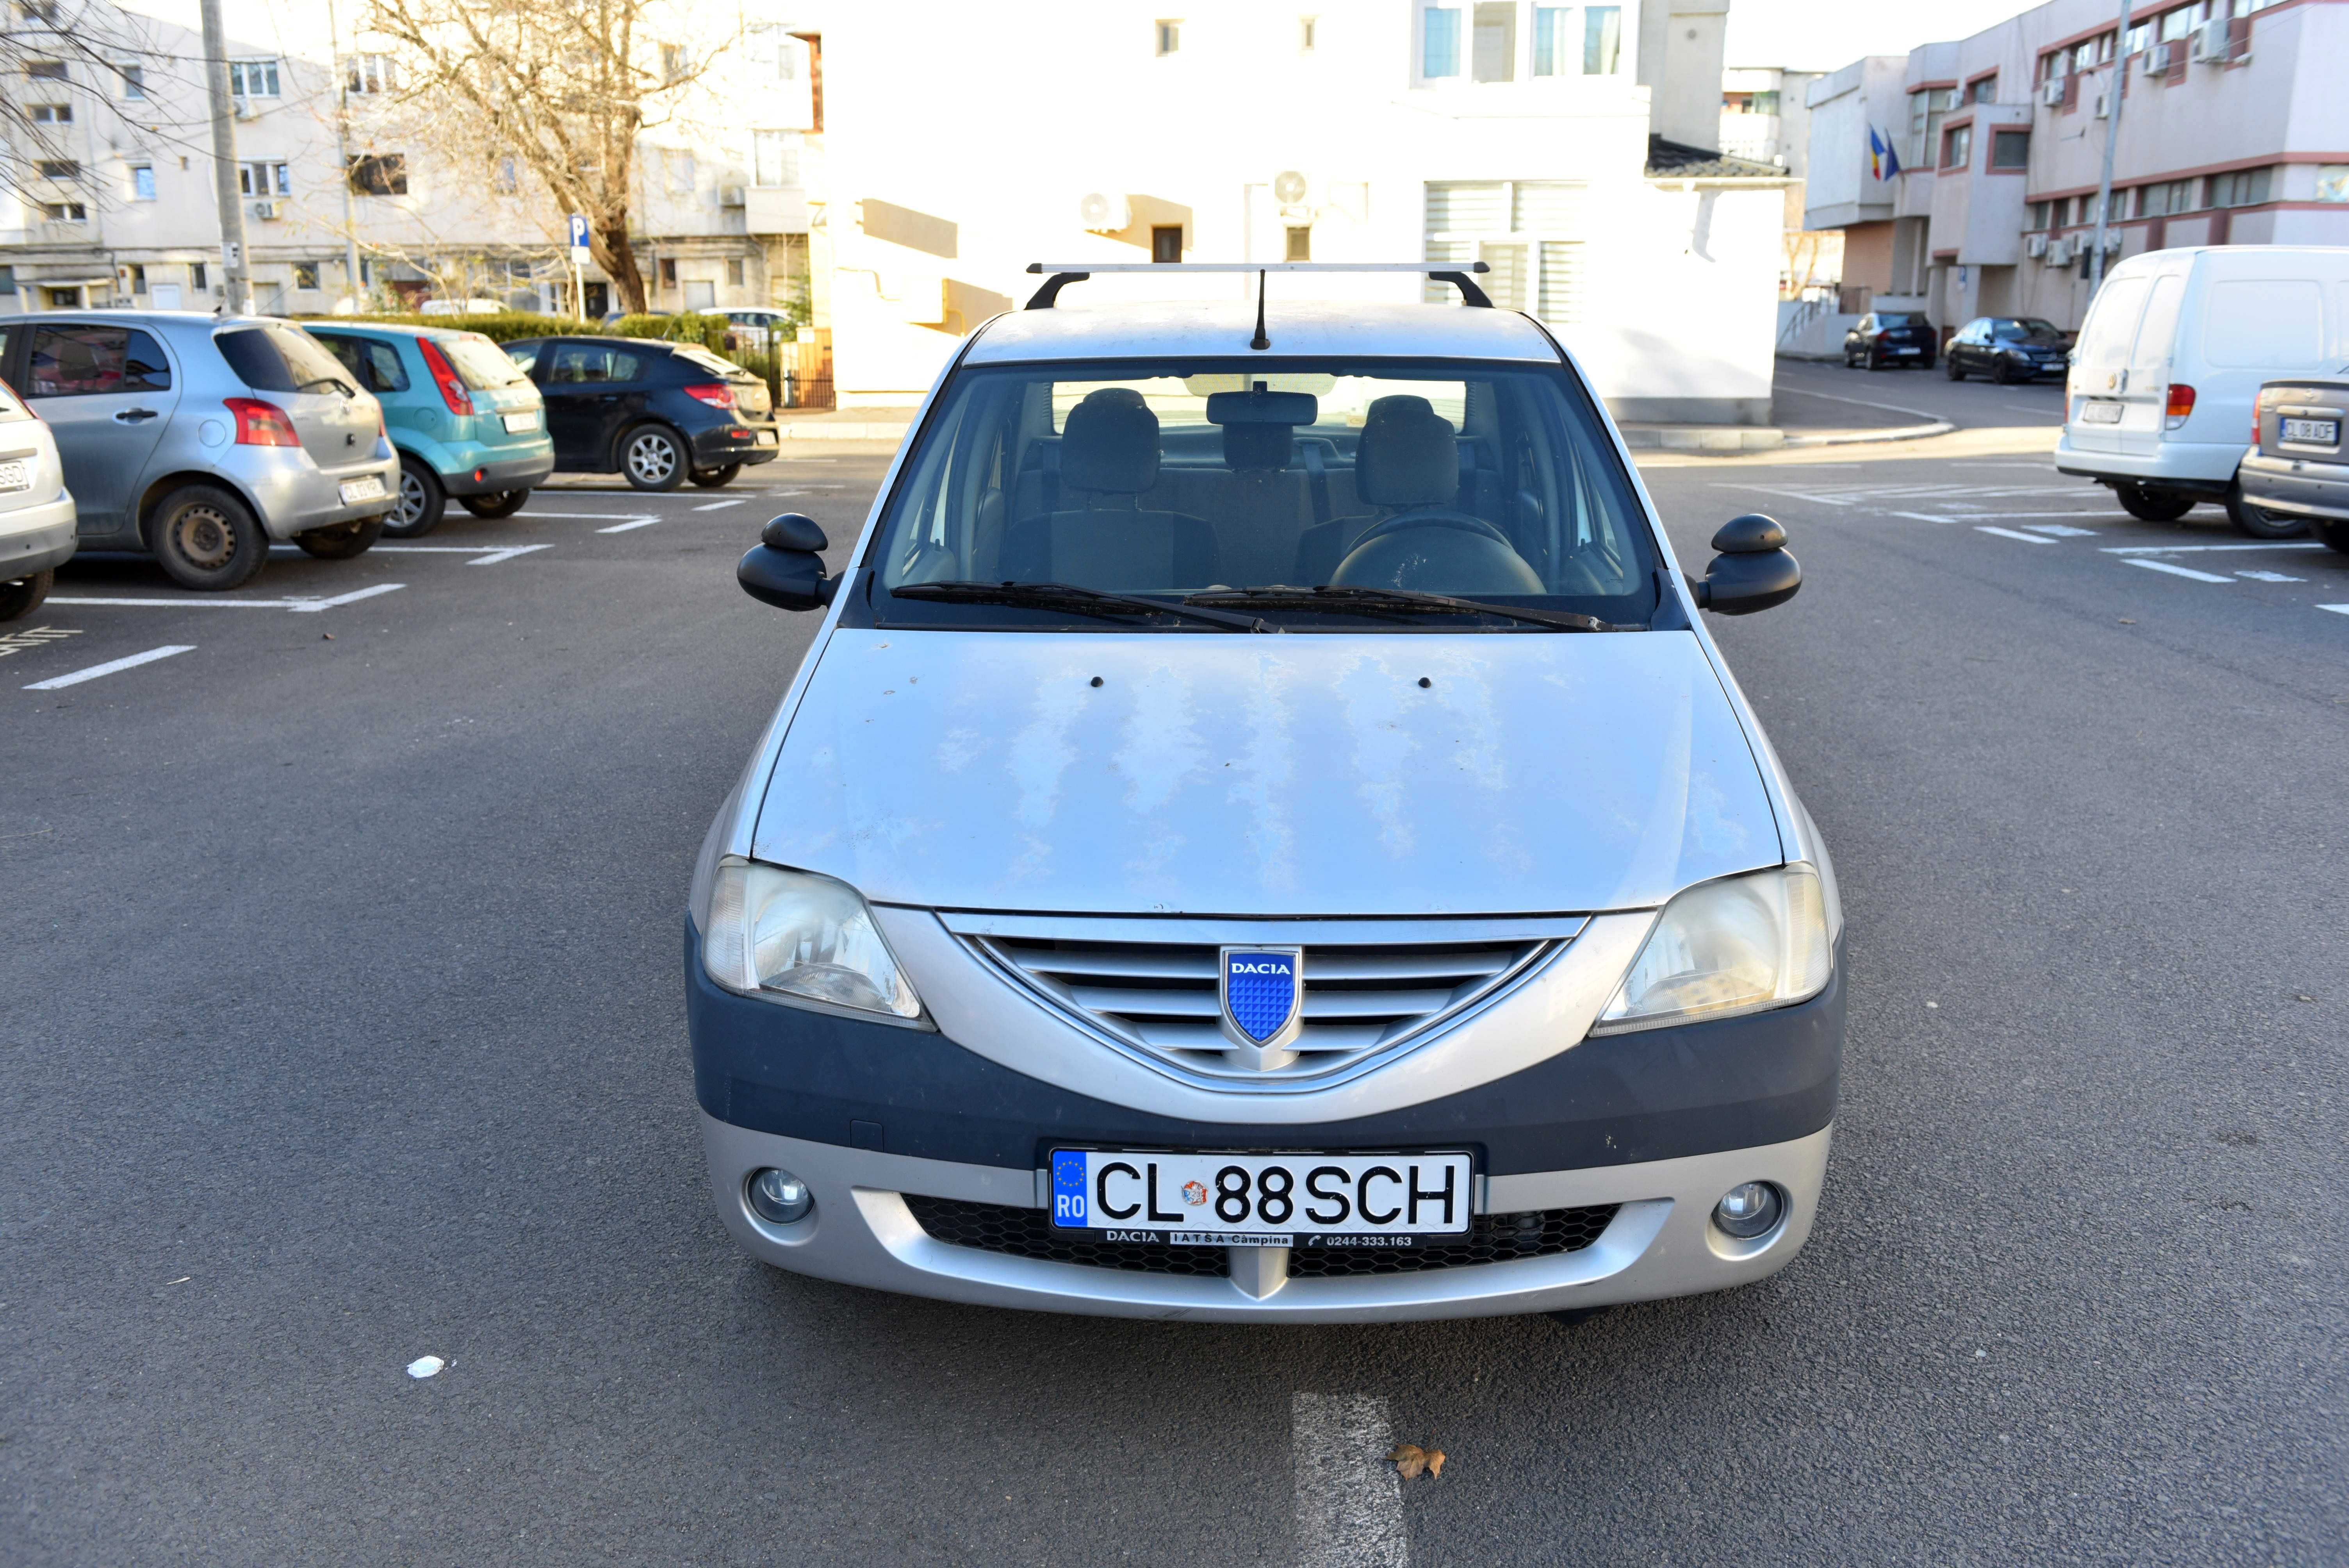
<point>133,79</point>
<point>585,362</point>
<point>1439,42</point>
<point>252,78</point>
<point>2169,196</point>
<point>2056,66</point>
<point>1300,243</point>
<point>62,297</point>
<point>1983,91</point>
<point>2038,216</point>
<point>2176,25</point>
<point>669,271</point>
<point>375,363</point>
<point>1926,108</point>
<point>2332,182</point>
<point>46,70</point>
<point>2141,37</point>
<point>1602,40</point>
<point>65,211</point>
<point>1166,242</point>
<point>37,10</point>
<point>369,74</point>
<point>1305,34</point>
<point>506,178</point>
<point>142,183</point>
<point>1170,37</point>
<point>775,159</point>
<point>2243,187</point>
<point>305,275</point>
<point>138,278</point>
<point>92,361</point>
<point>1551,56</point>
<point>677,63</point>
<point>734,273</point>
<point>379,175</point>
<point>1957,147</point>
<point>196,276</point>
<point>59,169</point>
<point>2010,150</point>
<point>774,52</point>
<point>1495,41</point>
<point>52,113</point>
<point>280,359</point>
<point>1530,233</point>
<point>270,178</point>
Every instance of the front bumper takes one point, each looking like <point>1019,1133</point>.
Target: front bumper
<point>1661,1242</point>
<point>37,538</point>
<point>291,495</point>
<point>2298,486</point>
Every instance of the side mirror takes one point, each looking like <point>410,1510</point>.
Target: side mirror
<point>1753,571</point>
<point>786,568</point>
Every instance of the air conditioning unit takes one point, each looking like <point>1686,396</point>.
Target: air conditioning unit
<point>2051,92</point>
<point>729,196</point>
<point>1291,189</point>
<point>2103,109</point>
<point>247,110</point>
<point>2059,253</point>
<point>2211,42</point>
<point>2159,58</point>
<point>2035,245</point>
<point>2112,239</point>
<point>265,209</point>
<point>1103,213</point>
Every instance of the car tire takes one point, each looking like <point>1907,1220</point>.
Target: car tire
<point>423,501</point>
<point>654,458</point>
<point>1952,369</point>
<point>24,595</point>
<point>1875,360</point>
<point>2257,520</point>
<point>2000,375</point>
<point>2150,503</point>
<point>207,539</point>
<point>2334,535</point>
<point>341,541</point>
<point>500,503</point>
<point>711,479</point>
<point>1849,361</point>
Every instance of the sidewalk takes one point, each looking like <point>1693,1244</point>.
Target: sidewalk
<point>844,424</point>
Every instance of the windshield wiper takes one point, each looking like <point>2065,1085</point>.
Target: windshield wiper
<point>336,382</point>
<point>1068,596</point>
<point>1348,601</point>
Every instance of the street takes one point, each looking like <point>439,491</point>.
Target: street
<point>345,1027</point>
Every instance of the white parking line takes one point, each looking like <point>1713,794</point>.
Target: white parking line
<point>632,522</point>
<point>491,554</point>
<point>2187,548</point>
<point>719,505</point>
<point>2174,571</point>
<point>111,666</point>
<point>2014,533</point>
<point>2336,609</point>
<point>2061,530</point>
<point>211,602</point>
<point>577,516</point>
<point>1349,1497</point>
<point>2269,577</point>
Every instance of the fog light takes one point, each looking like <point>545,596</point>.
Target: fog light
<point>781,1198</point>
<point>1746,1210</point>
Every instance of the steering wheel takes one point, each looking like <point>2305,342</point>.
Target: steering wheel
<point>1433,517</point>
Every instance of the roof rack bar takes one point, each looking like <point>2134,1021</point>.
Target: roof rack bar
<point>1063,274</point>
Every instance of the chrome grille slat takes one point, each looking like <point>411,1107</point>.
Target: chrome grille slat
<point>1138,984</point>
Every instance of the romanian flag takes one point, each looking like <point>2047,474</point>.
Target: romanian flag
<point>1882,161</point>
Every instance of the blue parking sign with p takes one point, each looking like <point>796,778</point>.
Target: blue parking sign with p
<point>578,231</point>
<point>1068,1188</point>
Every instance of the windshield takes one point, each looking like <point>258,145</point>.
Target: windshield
<point>1488,482</point>
<point>2030,326</point>
<point>480,364</point>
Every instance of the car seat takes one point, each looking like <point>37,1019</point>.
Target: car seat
<point>1109,456</point>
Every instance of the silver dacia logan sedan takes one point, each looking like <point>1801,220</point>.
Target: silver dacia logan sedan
<point>1262,834</point>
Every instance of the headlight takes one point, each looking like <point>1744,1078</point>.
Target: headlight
<point>1721,948</point>
<point>783,934</point>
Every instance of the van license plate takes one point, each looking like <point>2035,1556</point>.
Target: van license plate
<point>1263,1200</point>
<point>2313,433</point>
<point>2100,414</point>
<point>367,488</point>
<point>16,474</point>
<point>517,423</point>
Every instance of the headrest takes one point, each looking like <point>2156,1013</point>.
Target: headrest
<point>1259,447</point>
<point>1110,443</point>
<point>1407,455</point>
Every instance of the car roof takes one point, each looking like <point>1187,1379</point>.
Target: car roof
<point>600,337</point>
<point>1315,328</point>
<point>390,328</point>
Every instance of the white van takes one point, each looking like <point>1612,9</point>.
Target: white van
<point>2159,402</point>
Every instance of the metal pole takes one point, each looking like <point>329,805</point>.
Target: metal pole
<point>343,152</point>
<point>231,202</point>
<point>2112,137</point>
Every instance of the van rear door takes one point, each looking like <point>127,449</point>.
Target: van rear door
<point>2145,395</point>
<point>2100,367</point>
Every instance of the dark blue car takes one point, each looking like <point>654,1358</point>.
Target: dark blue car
<point>656,413</point>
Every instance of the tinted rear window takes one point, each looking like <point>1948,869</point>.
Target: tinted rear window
<point>1895,318</point>
<point>480,364</point>
<point>707,360</point>
<point>281,359</point>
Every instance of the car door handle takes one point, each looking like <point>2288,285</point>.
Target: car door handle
<point>132,415</point>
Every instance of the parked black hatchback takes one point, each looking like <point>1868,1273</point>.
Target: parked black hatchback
<point>2009,348</point>
<point>656,413</point>
<point>1883,337</point>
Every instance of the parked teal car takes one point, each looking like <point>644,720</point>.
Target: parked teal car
<point>467,423</point>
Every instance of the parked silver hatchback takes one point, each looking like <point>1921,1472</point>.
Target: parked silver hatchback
<point>201,438</point>
<point>36,511</point>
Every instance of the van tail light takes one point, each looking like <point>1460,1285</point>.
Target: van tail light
<point>717,394</point>
<point>444,375</point>
<point>2180,404</point>
<point>261,424</point>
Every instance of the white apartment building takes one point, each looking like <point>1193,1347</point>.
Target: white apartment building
<point>2233,129</point>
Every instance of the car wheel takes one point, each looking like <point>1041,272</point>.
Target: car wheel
<point>504,503</point>
<point>2336,536</point>
<point>1952,369</point>
<point>2149,504</point>
<point>711,478</point>
<point>2258,521</point>
<point>1875,360</point>
<point>422,500</point>
<point>341,541</point>
<point>24,595</point>
<point>207,539</point>
<point>652,458</point>
<point>2000,374</point>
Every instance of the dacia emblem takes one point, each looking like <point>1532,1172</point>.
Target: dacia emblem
<point>1261,991</point>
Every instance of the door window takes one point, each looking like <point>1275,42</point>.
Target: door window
<point>579,363</point>
<point>375,363</point>
<point>88,361</point>
<point>2106,341</point>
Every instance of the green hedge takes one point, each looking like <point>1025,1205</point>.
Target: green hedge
<point>709,331</point>
<point>507,326</point>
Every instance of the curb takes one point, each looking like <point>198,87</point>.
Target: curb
<point>839,430</point>
<point>1851,438</point>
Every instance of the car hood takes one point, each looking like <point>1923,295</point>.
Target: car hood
<point>1308,774</point>
<point>2035,340</point>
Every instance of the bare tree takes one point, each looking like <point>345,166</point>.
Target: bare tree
<point>565,86</point>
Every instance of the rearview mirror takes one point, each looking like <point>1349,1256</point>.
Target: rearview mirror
<point>786,567</point>
<point>1753,571</point>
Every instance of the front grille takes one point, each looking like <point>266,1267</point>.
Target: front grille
<point>1028,1233</point>
<point>1151,984</point>
<point>1491,1239</point>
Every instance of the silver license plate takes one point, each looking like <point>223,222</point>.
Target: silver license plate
<point>367,488</point>
<point>1904,351</point>
<point>16,474</point>
<point>517,423</point>
<point>2100,414</point>
<point>1261,1200</point>
<point>2309,432</point>
<point>766,438</point>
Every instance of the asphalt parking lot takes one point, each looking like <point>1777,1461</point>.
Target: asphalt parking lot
<point>344,1027</point>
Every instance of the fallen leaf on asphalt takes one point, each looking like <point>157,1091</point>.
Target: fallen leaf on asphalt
<point>1411,1460</point>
